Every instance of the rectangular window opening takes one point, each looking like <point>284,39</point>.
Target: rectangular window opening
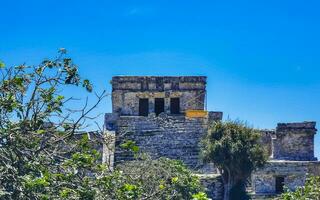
<point>143,107</point>
<point>175,105</point>
<point>158,105</point>
<point>279,184</point>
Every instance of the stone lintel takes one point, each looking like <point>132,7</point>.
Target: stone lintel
<point>286,167</point>
<point>158,83</point>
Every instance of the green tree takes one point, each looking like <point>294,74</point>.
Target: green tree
<point>42,156</point>
<point>234,149</point>
<point>311,190</point>
<point>36,124</point>
<point>162,178</point>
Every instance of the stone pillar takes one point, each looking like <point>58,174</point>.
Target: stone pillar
<point>167,105</point>
<point>108,149</point>
<point>151,105</point>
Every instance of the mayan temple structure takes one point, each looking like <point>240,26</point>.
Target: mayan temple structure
<point>167,117</point>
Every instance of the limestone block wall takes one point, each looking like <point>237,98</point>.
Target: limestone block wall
<point>175,137</point>
<point>294,141</point>
<point>294,173</point>
<point>127,90</point>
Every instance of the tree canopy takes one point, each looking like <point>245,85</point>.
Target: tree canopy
<point>42,155</point>
<point>234,149</point>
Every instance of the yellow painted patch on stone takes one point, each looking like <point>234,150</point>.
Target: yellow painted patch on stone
<point>196,113</point>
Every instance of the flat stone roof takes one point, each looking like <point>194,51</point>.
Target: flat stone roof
<point>303,125</point>
<point>159,78</point>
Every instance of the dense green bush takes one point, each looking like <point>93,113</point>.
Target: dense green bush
<point>310,191</point>
<point>152,179</point>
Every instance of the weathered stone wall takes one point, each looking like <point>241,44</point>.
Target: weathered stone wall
<point>294,173</point>
<point>213,185</point>
<point>175,137</point>
<point>127,90</point>
<point>292,157</point>
<point>172,136</point>
<point>294,141</point>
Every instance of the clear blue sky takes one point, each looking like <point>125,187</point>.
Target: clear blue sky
<point>261,57</point>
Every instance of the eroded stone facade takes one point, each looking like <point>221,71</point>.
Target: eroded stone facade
<point>127,90</point>
<point>293,172</point>
<point>291,158</point>
<point>163,134</point>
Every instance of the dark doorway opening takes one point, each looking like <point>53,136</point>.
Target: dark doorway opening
<point>159,105</point>
<point>175,106</point>
<point>279,184</point>
<point>143,107</point>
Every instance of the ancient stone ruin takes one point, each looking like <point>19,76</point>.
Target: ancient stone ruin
<point>291,159</point>
<point>151,112</point>
<point>166,117</point>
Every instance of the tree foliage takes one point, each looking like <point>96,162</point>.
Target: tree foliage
<point>234,149</point>
<point>157,179</point>
<point>311,190</point>
<point>41,157</point>
<point>33,123</point>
